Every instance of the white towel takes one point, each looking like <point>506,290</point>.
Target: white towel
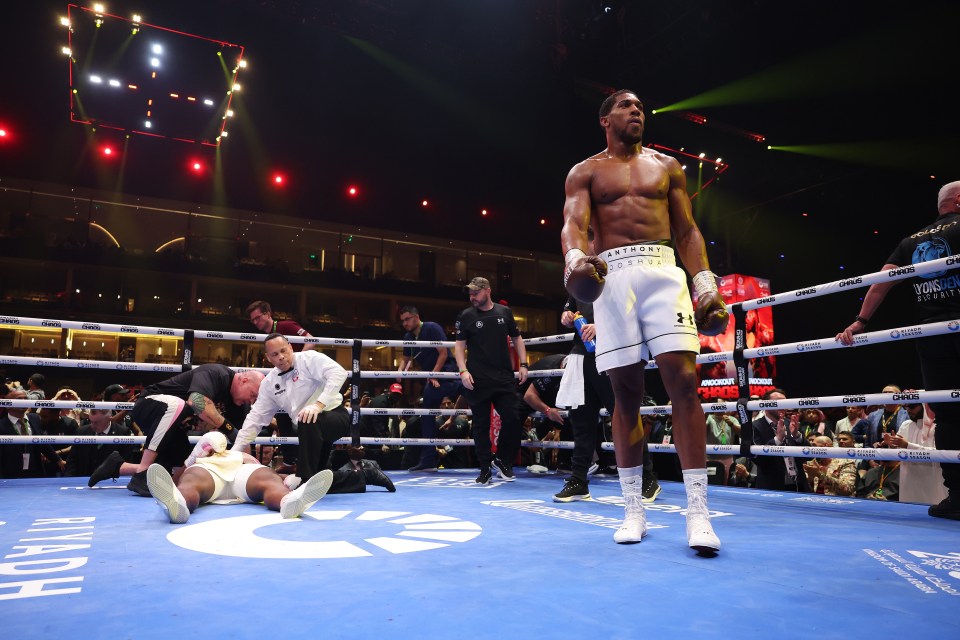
<point>570,395</point>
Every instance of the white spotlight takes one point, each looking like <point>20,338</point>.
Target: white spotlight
<point>114,83</point>
<point>208,102</point>
<point>157,49</point>
<point>95,79</point>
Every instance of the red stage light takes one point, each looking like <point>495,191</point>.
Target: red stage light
<point>353,191</point>
<point>278,179</point>
<point>543,221</point>
<point>425,203</point>
<point>483,212</point>
<point>107,151</point>
<point>196,166</point>
<point>3,133</point>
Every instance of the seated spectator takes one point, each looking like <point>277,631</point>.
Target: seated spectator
<point>35,387</point>
<point>68,394</point>
<point>920,482</point>
<point>85,458</point>
<point>743,473</point>
<point>723,428</point>
<point>830,476</point>
<point>853,423</point>
<point>886,419</point>
<point>812,422</point>
<point>53,424</point>
<point>881,482</point>
<point>846,440</point>
<point>779,428</point>
<point>24,460</point>
<point>455,427</point>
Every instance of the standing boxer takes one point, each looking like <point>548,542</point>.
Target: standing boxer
<point>636,200</point>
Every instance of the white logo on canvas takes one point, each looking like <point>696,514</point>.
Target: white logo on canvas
<point>237,537</point>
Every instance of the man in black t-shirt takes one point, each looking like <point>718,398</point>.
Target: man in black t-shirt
<point>937,298</point>
<point>165,410</point>
<point>484,329</point>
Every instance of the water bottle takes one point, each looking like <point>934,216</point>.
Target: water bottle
<point>578,322</point>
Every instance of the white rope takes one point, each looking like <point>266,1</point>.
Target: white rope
<point>856,282</point>
<point>864,453</point>
<point>563,337</point>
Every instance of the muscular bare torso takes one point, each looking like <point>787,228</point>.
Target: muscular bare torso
<point>629,198</point>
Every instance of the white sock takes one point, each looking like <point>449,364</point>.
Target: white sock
<point>631,475</point>
<point>695,482</point>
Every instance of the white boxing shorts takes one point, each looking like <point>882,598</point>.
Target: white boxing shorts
<point>645,307</point>
<point>230,475</point>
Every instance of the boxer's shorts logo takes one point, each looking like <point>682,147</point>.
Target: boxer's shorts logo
<point>479,324</point>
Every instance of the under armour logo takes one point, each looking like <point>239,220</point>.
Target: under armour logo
<point>680,319</point>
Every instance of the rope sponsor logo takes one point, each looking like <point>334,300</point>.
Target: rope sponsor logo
<point>51,323</point>
<point>809,402</point>
<point>9,320</point>
<point>214,334</point>
<point>129,329</point>
<point>953,325</point>
<point>768,351</point>
<point>85,405</point>
<point>247,336</point>
<point>43,440</point>
<point>381,342</point>
<point>769,404</point>
<point>6,403</point>
<point>43,403</point>
<point>854,399</point>
<point>715,357</point>
<point>88,365</point>
<point>809,346</point>
<point>906,396</point>
<point>908,332</point>
<point>816,451</point>
<point>125,367</point>
<point>892,273</point>
<point>342,341</point>
<point>90,327</point>
<point>850,282</point>
<point>861,453</point>
<point>717,407</point>
<point>955,394</point>
<point>165,332</point>
<point>911,454</point>
<point>767,299</point>
<point>805,292</point>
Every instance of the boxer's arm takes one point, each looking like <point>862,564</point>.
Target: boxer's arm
<point>687,238</point>
<point>576,210</point>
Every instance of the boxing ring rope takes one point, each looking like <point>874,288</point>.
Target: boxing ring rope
<point>739,355</point>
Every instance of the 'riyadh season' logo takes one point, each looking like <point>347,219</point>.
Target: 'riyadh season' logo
<point>373,533</point>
